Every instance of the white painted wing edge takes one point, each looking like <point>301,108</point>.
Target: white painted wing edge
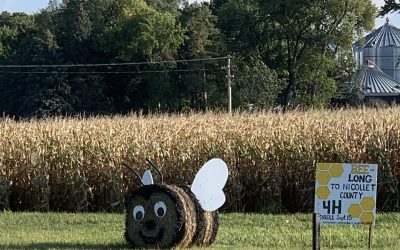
<point>208,184</point>
<point>147,178</point>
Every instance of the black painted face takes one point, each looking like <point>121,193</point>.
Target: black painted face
<point>153,218</point>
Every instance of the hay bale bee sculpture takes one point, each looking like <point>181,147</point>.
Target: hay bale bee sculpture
<point>167,216</point>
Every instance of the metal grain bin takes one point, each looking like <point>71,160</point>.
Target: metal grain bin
<point>382,47</point>
<point>373,82</point>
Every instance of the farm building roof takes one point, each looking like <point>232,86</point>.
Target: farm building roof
<point>374,82</point>
<point>385,36</point>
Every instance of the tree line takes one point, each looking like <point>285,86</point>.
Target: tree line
<point>287,53</point>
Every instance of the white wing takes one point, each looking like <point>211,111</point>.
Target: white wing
<point>208,184</point>
<point>147,178</point>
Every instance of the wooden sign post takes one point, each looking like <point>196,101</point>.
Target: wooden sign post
<point>316,232</point>
<point>345,193</point>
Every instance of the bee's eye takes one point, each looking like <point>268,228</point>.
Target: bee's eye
<point>138,212</point>
<point>160,209</point>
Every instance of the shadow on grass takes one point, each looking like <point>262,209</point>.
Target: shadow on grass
<point>56,245</point>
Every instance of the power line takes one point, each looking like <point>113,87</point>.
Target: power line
<point>108,72</point>
<point>112,64</point>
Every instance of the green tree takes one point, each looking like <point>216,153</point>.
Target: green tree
<point>201,34</point>
<point>256,85</point>
<point>314,27</point>
<point>140,32</point>
<point>316,87</point>
<point>239,22</point>
<point>389,6</point>
<point>286,33</point>
<point>13,27</point>
<point>36,94</point>
<point>170,6</point>
<point>202,40</point>
<point>45,39</point>
<point>74,31</point>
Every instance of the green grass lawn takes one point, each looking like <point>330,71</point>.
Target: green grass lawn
<point>237,231</point>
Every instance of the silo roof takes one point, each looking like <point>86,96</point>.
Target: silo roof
<point>377,83</point>
<point>385,36</point>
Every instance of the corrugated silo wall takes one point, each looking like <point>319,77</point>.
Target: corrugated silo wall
<point>370,54</point>
<point>385,60</point>
<point>397,64</point>
<point>359,57</point>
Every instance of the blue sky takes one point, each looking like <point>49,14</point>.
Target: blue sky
<point>28,6</point>
<point>31,6</point>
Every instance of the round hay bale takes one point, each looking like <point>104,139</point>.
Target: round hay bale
<point>159,216</point>
<point>207,222</point>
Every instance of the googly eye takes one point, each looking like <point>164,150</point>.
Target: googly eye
<point>160,209</point>
<point>138,213</point>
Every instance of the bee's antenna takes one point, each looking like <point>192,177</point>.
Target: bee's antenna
<point>133,171</point>
<point>157,169</point>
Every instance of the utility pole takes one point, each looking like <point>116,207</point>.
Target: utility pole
<point>229,76</point>
<point>205,95</point>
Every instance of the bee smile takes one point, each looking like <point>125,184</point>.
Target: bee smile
<point>152,239</point>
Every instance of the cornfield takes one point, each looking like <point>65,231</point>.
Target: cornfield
<point>76,164</point>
